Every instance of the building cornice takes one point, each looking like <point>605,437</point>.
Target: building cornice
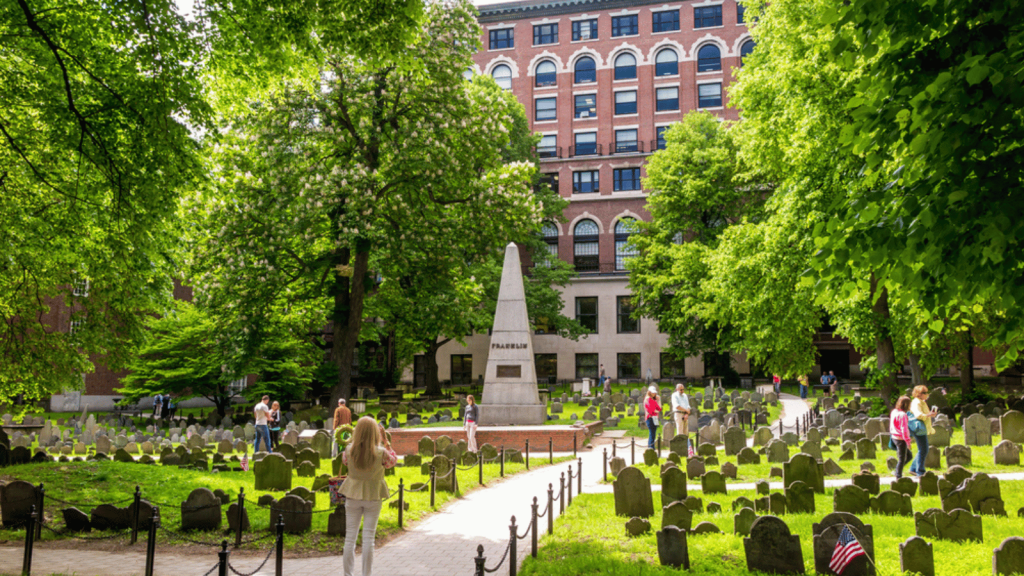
<point>533,9</point>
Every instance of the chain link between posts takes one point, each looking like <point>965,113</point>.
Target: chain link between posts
<point>502,561</point>
<point>262,564</point>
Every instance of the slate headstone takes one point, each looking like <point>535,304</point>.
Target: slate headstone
<point>772,548</point>
<point>633,494</point>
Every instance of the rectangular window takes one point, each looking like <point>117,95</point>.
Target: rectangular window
<point>741,11</point>
<point>626,323</point>
<point>586,366</point>
<point>545,34</point>
<point>628,365</point>
<point>544,109</point>
<point>547,368</point>
<point>625,141</point>
<point>668,99</point>
<point>586,106</point>
<point>666,21</point>
<point>626,179</point>
<point>586,143</point>
<point>625,102</point>
<point>709,95</point>
<point>625,25</point>
<point>504,38</point>
<point>462,369</point>
<point>661,136</point>
<point>585,182</point>
<point>419,370</point>
<point>549,179</point>
<point>707,16</point>
<point>672,367</point>
<point>548,147</point>
<point>586,312</point>
<point>584,30</point>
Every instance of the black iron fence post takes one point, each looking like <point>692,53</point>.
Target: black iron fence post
<point>527,453</point>
<point>632,451</point>
<point>455,478</point>
<point>551,450</point>
<point>561,494</point>
<point>502,461</point>
<point>241,514</point>
<point>433,475</point>
<point>154,523</point>
<point>579,476</point>
<point>479,560</point>
<point>573,444</point>
<point>279,559</point>
<point>659,446</point>
<point>40,508</point>
<point>533,529</point>
<point>135,515</point>
<point>480,467</point>
<point>222,557</point>
<point>551,510</point>
<point>401,500</point>
<point>570,484</point>
<point>512,545</point>
<point>613,448</point>
<point>30,533</point>
<point>604,463</point>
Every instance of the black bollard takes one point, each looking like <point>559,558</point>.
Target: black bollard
<point>551,451</point>
<point>279,559</point>
<point>533,529</point>
<point>135,516</point>
<point>527,453</point>
<point>433,473</point>
<point>480,559</point>
<point>604,463</point>
<point>222,556</point>
<point>551,510</point>
<point>570,485</point>
<point>154,523</point>
<point>573,444</point>
<point>241,515</point>
<point>561,494</point>
<point>512,548</point>
<point>30,533</point>
<point>502,470</point>
<point>401,500</point>
<point>480,467</point>
<point>632,451</point>
<point>579,476</point>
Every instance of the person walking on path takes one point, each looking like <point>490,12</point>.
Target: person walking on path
<point>652,410</point>
<point>158,402</point>
<point>833,383</point>
<point>604,381</point>
<point>899,431</point>
<point>165,412</point>
<point>802,379</point>
<point>681,409</point>
<point>470,417</point>
<point>274,424</point>
<point>919,409</point>
<point>364,489</point>
<point>342,417</point>
<point>261,412</point>
<point>777,383</point>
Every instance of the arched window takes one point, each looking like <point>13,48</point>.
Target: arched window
<point>623,229</point>
<point>585,70</point>
<point>550,233</point>
<point>666,63</point>
<point>746,49</point>
<point>585,251</point>
<point>709,58</point>
<point>625,67</point>
<point>503,76</point>
<point>547,74</point>
<point>469,73</point>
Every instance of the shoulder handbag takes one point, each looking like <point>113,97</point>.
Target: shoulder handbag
<point>917,428</point>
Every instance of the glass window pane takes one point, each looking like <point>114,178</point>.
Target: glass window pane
<point>709,58</point>
<point>709,95</point>
<point>545,108</point>
<point>503,76</point>
<point>586,106</point>
<point>585,70</point>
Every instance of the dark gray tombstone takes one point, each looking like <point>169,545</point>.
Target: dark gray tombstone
<point>673,486</point>
<point>799,498</point>
<point>637,526</point>
<point>273,472</point>
<point>804,468</point>
<point>336,523</point>
<point>892,503</point>
<point>110,517</point>
<point>296,512</point>
<point>1008,558</point>
<point>916,556</point>
<point>771,548</point>
<point>713,482</point>
<point>867,481</point>
<point>672,549</point>
<point>633,494</point>
<point>959,525</point>
<point>75,520</point>
<point>678,515</point>
<point>16,501</point>
<point>743,520</point>
<point>232,515</point>
<point>200,511</point>
<point>826,534</point>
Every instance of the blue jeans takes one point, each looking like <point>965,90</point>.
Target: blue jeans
<point>917,466</point>
<point>652,432</point>
<point>262,431</point>
<point>803,391</point>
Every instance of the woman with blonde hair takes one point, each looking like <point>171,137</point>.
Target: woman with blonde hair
<point>920,411</point>
<point>471,417</point>
<point>367,455</point>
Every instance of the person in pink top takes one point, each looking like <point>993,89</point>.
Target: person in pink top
<point>899,431</point>
<point>653,410</point>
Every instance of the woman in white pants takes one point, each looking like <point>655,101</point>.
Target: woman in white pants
<point>364,489</point>
<point>471,416</point>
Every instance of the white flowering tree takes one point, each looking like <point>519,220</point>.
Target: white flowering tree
<point>320,181</point>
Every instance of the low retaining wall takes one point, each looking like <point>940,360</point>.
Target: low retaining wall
<point>406,440</point>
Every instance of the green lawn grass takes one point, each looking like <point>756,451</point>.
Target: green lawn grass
<point>107,482</point>
<point>590,539</point>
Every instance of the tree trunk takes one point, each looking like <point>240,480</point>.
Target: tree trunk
<point>967,367</point>
<point>430,358</point>
<point>348,318</point>
<point>391,364</point>
<point>916,372</point>
<point>884,350</point>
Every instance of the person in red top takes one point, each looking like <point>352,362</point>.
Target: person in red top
<point>899,431</point>
<point>653,410</point>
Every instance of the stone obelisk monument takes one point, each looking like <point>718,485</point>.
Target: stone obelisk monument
<point>510,381</point>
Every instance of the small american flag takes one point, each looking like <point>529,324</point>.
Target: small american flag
<point>689,449</point>
<point>847,548</point>
<point>245,462</point>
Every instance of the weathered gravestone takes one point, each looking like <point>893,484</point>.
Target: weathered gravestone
<point>110,517</point>
<point>826,534</point>
<point>672,549</point>
<point>743,520</point>
<point>959,525</point>
<point>637,526</point>
<point>762,436</point>
<point>865,449</point>
<point>200,511</point>
<point>776,451</point>
<point>851,499</point>
<point>273,472</point>
<point>979,493</point>
<point>1008,558</point>
<point>336,524</point>
<point>1011,426</point>
<point>650,457</point>
<point>678,445</point>
<point>956,455</point>
<point>16,501</point>
<point>748,456</point>
<point>712,482</point>
<point>673,486</point>
<point>735,440</point>
<point>695,467</point>
<point>916,556</point>
<point>444,475</point>
<point>75,520</point>
<point>805,468</point>
<point>296,512</point>
<point>904,486</point>
<point>799,498</point>
<point>771,548</point>
<point>1006,453</point>
<point>617,465</point>
<point>977,431</point>
<point>892,503</point>
<point>678,515</point>
<point>633,494</point>
<point>867,481</point>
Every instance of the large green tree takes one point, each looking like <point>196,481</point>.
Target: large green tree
<point>97,100</point>
<point>364,160</point>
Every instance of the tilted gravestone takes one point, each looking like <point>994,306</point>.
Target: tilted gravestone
<point>650,457</point>
<point>777,451</point>
<point>695,467</point>
<point>851,499</point>
<point>273,472</point>
<point>336,522</point>
<point>1008,558</point>
<point>805,468</point>
<point>296,512</point>
<point>673,486</point>
<point>110,517</point>
<point>772,548</point>
<point>748,456</point>
<point>672,548</point>
<point>678,445</point>
<point>201,510</point>
<point>678,515</point>
<point>979,493</point>
<point>957,455</point>
<point>959,525</point>
<point>892,503</point>
<point>617,465</point>
<point>633,494</point>
<point>444,474</point>
<point>762,436</point>
<point>916,556</point>
<point>735,440</point>
<point>826,533</point>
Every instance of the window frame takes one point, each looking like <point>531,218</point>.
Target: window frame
<point>618,180</point>
<point>492,38</point>
<point>621,238</point>
<point>591,110</point>
<point>632,26</point>
<point>537,74</point>
<point>657,74</point>
<point>498,82</point>
<point>666,359</point>
<point>660,26</point>
<point>577,30</point>
<point>451,371</point>
<point>621,315</point>
<point>658,101</point>
<point>547,150</point>
<point>590,71</point>
<point>585,372</point>
<point>577,181</point>
<point>627,111</point>
<point>576,144</point>
<point>547,100</point>
<point>631,69</point>
<point>706,64</point>
<point>712,104</point>
<point>539,34</point>
<point>621,358</point>
<point>588,319</point>
<point>659,134</point>
<point>747,42</point>
<point>550,376</point>
<point>623,146</point>
<point>702,20</point>
<point>587,261</point>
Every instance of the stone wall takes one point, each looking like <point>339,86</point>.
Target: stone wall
<point>405,440</point>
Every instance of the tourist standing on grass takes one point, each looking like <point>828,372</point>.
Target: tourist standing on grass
<point>166,412</point>
<point>261,412</point>
<point>470,418</point>
<point>274,423</point>
<point>919,409</point>
<point>158,401</point>
<point>652,409</point>
<point>899,431</point>
<point>681,409</point>
<point>833,383</point>
<point>364,489</point>
<point>604,381</point>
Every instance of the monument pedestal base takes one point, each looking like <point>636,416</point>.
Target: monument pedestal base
<point>508,414</point>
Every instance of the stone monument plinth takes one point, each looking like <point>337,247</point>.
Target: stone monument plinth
<point>510,381</point>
